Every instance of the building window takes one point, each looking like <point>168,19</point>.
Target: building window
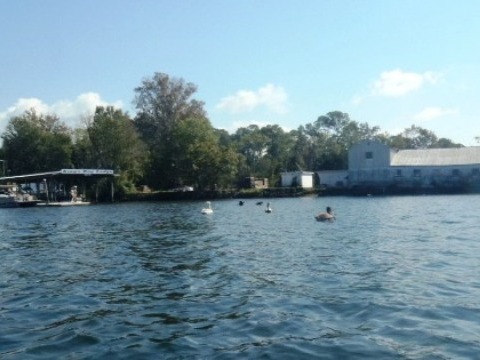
<point>398,172</point>
<point>417,172</point>
<point>368,155</point>
<point>456,172</point>
<point>476,171</point>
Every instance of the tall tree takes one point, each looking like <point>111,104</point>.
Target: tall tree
<point>278,148</point>
<point>340,133</point>
<point>420,138</point>
<point>82,155</point>
<point>34,143</point>
<point>447,143</point>
<point>115,144</point>
<point>251,143</point>
<point>301,156</point>
<point>416,137</point>
<point>200,159</point>
<point>162,102</point>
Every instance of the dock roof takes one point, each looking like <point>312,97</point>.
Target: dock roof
<point>62,172</point>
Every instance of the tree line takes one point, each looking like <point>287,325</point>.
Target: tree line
<point>170,142</point>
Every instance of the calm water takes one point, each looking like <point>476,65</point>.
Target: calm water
<point>392,278</point>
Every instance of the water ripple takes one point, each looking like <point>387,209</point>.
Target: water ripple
<point>160,280</point>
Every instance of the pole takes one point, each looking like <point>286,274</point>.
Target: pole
<point>46,188</point>
<point>112,190</point>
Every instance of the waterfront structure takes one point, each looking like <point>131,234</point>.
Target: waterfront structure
<point>303,179</point>
<point>373,165</point>
<point>60,185</point>
<point>333,178</point>
<point>252,182</point>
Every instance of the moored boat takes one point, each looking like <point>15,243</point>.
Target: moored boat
<point>65,203</point>
<point>11,200</point>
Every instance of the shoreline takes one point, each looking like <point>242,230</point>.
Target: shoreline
<point>292,192</point>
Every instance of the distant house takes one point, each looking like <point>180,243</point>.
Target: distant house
<point>254,183</point>
<point>373,164</point>
<point>303,179</point>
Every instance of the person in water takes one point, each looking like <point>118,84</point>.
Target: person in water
<point>326,216</point>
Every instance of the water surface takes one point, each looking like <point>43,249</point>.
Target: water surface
<point>392,278</point>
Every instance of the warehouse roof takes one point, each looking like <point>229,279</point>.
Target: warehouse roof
<point>436,157</point>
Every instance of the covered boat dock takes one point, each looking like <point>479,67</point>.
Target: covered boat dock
<point>61,186</point>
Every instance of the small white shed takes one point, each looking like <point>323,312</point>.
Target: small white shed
<point>303,179</point>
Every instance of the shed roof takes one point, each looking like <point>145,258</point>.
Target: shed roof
<point>298,172</point>
<point>436,157</point>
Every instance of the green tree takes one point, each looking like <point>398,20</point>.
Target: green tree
<point>302,155</point>
<point>279,146</point>
<point>200,159</point>
<point>447,143</point>
<point>419,138</point>
<point>82,154</point>
<point>34,143</point>
<point>115,144</point>
<point>3,165</point>
<point>264,152</point>
<point>251,143</point>
<point>333,123</point>
<point>416,137</point>
<point>162,102</point>
<point>339,134</point>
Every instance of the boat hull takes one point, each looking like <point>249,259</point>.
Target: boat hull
<point>66,203</point>
<point>17,204</point>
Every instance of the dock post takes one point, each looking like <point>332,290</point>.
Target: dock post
<point>46,189</point>
<point>112,190</point>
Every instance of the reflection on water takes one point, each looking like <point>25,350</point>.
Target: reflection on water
<point>393,277</point>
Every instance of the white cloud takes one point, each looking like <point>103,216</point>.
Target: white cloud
<point>69,111</point>
<point>431,113</point>
<point>273,97</point>
<point>357,99</point>
<point>398,82</point>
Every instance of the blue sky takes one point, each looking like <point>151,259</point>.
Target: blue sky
<point>387,63</point>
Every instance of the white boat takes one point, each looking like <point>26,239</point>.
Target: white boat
<point>11,199</point>
<point>65,203</point>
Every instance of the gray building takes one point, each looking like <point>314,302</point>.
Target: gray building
<point>372,164</point>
